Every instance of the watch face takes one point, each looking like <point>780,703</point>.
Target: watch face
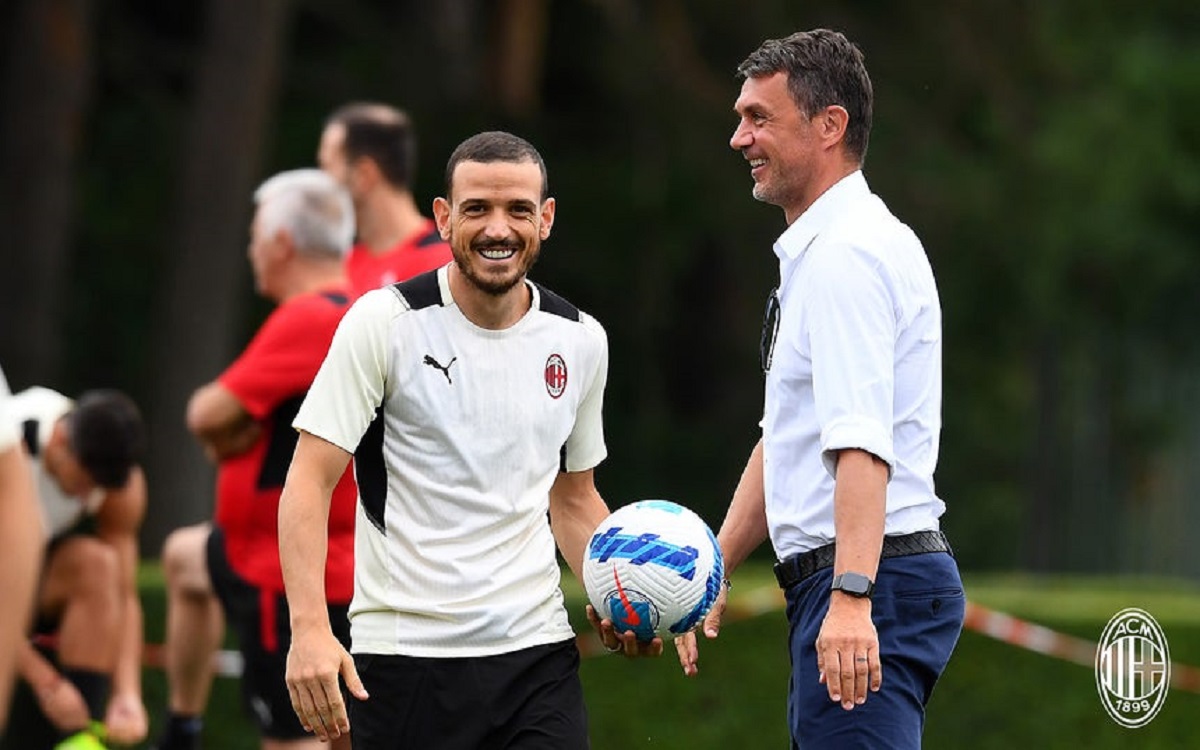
<point>855,584</point>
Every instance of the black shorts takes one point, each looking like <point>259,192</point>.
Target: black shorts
<point>526,700</point>
<point>260,619</point>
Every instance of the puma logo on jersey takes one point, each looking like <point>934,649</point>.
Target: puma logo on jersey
<point>429,360</point>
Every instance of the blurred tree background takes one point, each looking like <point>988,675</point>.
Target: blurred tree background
<point>1046,152</point>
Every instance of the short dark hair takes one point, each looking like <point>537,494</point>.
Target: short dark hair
<point>823,68</point>
<point>106,435</point>
<point>493,146</point>
<point>382,133</point>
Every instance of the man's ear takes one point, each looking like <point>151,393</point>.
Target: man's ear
<point>364,174</point>
<point>284,246</point>
<point>441,215</point>
<point>833,123</point>
<point>548,207</point>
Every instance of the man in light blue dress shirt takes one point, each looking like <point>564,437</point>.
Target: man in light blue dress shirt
<point>842,480</point>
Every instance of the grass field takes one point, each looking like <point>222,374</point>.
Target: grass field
<point>993,695</point>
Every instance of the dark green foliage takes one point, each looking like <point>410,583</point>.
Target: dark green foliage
<point>1044,152</point>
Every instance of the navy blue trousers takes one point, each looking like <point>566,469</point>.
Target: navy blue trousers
<point>918,608</point>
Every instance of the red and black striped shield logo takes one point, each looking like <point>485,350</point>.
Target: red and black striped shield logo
<point>556,375</point>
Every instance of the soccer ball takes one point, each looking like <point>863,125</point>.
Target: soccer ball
<point>653,567</point>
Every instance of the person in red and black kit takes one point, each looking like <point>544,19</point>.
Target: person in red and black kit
<point>370,148</point>
<point>229,570</point>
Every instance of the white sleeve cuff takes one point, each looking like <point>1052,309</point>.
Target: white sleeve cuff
<point>856,432</point>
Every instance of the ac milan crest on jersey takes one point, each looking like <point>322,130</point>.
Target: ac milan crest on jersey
<point>556,375</point>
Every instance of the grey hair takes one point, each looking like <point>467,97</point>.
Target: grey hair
<point>312,207</point>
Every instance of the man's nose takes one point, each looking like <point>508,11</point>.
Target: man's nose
<point>497,226</point>
<point>740,138</point>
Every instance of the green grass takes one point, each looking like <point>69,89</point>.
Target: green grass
<point>993,695</point>
<point>1087,600</point>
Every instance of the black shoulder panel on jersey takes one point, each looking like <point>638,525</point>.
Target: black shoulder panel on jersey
<point>556,305</point>
<point>281,444</point>
<point>370,472</point>
<point>29,434</point>
<point>433,238</point>
<point>420,291</point>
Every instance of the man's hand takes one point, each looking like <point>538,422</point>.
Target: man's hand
<point>626,642</point>
<point>848,651</point>
<point>686,645</point>
<point>62,704</point>
<point>314,662</point>
<point>126,722</point>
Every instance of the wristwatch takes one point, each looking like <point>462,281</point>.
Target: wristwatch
<point>854,584</point>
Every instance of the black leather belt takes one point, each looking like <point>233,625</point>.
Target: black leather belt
<point>796,568</point>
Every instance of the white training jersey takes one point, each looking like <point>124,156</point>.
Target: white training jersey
<point>453,551</point>
<point>36,410</point>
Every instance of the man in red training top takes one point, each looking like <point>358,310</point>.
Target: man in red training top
<point>229,570</point>
<point>371,150</point>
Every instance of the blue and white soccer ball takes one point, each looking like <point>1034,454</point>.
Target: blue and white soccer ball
<point>653,567</point>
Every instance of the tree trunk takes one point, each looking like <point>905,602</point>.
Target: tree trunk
<point>520,53</point>
<point>203,296</point>
<point>45,90</point>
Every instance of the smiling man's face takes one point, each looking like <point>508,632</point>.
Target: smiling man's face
<point>495,221</point>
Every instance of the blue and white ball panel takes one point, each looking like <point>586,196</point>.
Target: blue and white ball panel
<point>653,567</point>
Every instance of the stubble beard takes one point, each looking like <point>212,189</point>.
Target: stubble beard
<point>496,286</point>
<point>763,193</point>
<point>779,193</point>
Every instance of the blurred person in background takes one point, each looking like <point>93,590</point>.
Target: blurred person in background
<point>229,570</point>
<point>20,546</point>
<point>841,481</point>
<point>371,149</point>
<point>82,669</point>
